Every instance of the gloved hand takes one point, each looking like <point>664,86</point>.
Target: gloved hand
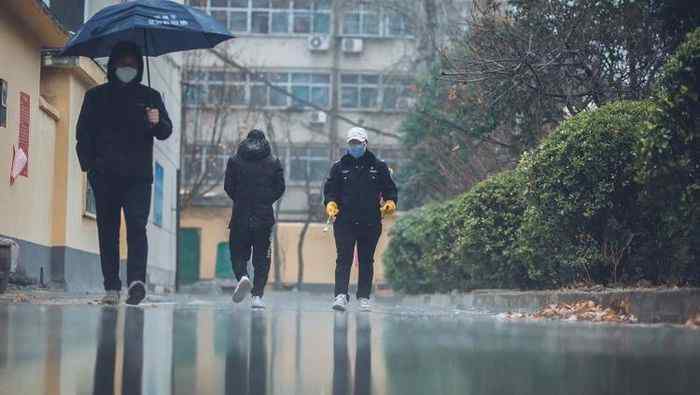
<point>388,208</point>
<point>332,209</point>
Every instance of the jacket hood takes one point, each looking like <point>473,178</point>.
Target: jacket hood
<point>122,49</point>
<point>254,148</point>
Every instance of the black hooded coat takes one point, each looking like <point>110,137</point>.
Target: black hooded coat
<point>114,136</point>
<point>254,181</point>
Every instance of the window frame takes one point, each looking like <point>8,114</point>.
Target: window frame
<point>4,94</point>
<point>158,195</point>
<point>87,195</point>
<point>307,157</point>
<point>291,12</point>
<point>384,82</point>
<point>384,18</point>
<point>317,80</point>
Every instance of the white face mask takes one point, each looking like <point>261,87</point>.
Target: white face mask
<point>126,74</point>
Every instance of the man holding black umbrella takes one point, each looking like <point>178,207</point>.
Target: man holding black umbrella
<point>115,135</point>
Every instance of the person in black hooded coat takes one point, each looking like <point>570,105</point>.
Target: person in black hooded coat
<point>254,181</point>
<point>117,125</point>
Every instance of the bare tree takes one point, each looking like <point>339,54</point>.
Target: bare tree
<point>212,128</point>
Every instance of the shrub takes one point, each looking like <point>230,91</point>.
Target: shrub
<point>464,243</point>
<point>493,212</point>
<point>420,255</point>
<point>670,172</point>
<point>583,195</point>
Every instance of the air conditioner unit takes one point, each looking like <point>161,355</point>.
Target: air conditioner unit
<point>319,118</point>
<point>352,45</point>
<point>318,43</point>
<point>405,103</point>
<point>49,59</point>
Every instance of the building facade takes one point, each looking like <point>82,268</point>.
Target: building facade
<point>44,209</point>
<point>49,210</point>
<point>305,72</point>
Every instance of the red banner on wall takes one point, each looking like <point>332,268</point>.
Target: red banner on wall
<point>24,117</point>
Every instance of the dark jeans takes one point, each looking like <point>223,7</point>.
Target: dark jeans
<point>365,237</point>
<point>112,193</point>
<point>241,241</point>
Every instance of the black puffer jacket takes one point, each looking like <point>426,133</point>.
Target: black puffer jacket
<point>254,181</point>
<point>113,133</point>
<point>358,186</point>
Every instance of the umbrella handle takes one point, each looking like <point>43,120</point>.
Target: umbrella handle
<point>148,68</point>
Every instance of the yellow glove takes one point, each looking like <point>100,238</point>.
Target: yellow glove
<point>388,208</point>
<point>332,209</point>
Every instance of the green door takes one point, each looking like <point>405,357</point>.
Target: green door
<point>189,255</point>
<point>223,261</point>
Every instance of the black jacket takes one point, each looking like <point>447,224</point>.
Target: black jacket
<point>357,186</point>
<point>254,181</point>
<point>113,133</point>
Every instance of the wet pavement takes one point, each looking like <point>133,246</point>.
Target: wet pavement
<point>299,346</point>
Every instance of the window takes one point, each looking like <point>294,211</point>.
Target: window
<point>158,186</point>
<point>90,205</point>
<point>24,119</point>
<point>373,92</point>
<point>237,89</point>
<point>364,20</point>
<point>205,164</point>
<point>311,163</point>
<point>396,25</point>
<point>270,16</point>
<point>194,158</point>
<point>214,88</point>
<point>3,103</point>
<point>395,89</point>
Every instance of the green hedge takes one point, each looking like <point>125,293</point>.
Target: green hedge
<point>465,243</point>
<point>582,196</point>
<point>670,172</point>
<point>613,195</point>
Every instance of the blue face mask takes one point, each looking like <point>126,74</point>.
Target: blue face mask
<point>357,151</point>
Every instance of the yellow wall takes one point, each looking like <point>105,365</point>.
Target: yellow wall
<point>47,207</point>
<point>319,248</point>
<point>65,89</point>
<point>24,207</point>
<point>213,223</point>
<point>319,254</point>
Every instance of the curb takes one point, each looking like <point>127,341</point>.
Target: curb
<point>648,305</point>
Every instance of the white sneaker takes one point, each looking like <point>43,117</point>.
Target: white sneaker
<point>258,303</point>
<point>341,303</point>
<point>365,304</point>
<point>242,289</point>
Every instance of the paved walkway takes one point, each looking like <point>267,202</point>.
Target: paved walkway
<point>192,345</point>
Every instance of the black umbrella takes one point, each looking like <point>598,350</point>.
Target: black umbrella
<point>157,26</point>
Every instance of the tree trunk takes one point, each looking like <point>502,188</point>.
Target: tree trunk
<point>300,252</point>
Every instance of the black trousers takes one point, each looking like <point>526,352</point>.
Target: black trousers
<point>241,241</point>
<point>112,194</point>
<point>347,237</point>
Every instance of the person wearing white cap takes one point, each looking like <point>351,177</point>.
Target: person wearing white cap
<point>358,193</point>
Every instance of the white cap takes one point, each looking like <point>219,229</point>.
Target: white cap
<point>357,133</point>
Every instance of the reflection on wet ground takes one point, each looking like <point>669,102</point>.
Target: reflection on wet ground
<point>298,346</point>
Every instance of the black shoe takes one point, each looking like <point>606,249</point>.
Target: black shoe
<point>137,293</point>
